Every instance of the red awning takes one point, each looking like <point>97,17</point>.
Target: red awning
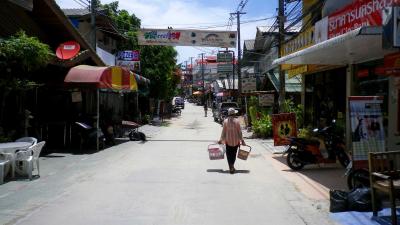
<point>114,78</point>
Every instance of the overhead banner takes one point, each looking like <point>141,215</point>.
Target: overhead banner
<point>366,121</point>
<point>357,14</point>
<point>283,126</point>
<point>170,37</point>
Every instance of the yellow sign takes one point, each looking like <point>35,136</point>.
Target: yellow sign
<point>302,41</point>
<point>297,71</point>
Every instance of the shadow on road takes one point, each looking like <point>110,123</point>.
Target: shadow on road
<point>329,175</point>
<point>226,171</point>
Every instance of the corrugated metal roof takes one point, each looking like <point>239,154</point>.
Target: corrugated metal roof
<point>291,85</point>
<point>249,45</point>
<point>76,12</point>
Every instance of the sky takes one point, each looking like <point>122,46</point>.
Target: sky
<point>194,14</point>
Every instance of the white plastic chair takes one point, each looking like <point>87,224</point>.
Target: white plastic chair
<point>6,161</point>
<point>27,139</point>
<point>30,157</point>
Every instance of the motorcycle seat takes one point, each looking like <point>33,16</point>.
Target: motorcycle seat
<point>306,141</point>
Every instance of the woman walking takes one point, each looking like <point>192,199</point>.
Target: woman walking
<point>231,136</point>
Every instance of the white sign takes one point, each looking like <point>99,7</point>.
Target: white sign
<point>321,30</point>
<point>130,65</point>
<point>266,99</point>
<point>223,39</point>
<point>249,85</point>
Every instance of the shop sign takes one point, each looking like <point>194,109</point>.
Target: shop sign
<point>266,99</point>
<point>283,126</point>
<point>392,63</point>
<point>366,122</point>
<point>224,68</point>
<point>363,73</point>
<point>224,57</point>
<point>249,85</point>
<point>296,71</point>
<point>302,41</point>
<point>130,65</point>
<point>170,37</point>
<point>355,15</point>
<point>129,55</point>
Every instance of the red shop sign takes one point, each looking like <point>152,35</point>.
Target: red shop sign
<point>357,14</point>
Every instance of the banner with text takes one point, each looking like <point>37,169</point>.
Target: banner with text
<point>366,121</point>
<point>170,37</point>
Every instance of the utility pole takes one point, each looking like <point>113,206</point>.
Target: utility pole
<point>93,23</point>
<point>238,67</point>
<point>281,39</point>
<point>191,74</point>
<point>184,83</point>
<point>202,77</point>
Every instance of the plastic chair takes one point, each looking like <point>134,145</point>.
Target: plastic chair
<point>5,162</point>
<point>27,139</point>
<point>30,158</point>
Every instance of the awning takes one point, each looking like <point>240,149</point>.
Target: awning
<point>292,85</point>
<point>141,79</point>
<point>357,46</point>
<point>109,78</point>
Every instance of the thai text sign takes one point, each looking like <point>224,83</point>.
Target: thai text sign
<point>303,40</point>
<point>249,85</point>
<point>283,126</point>
<point>128,55</point>
<point>355,15</point>
<point>223,39</point>
<point>366,121</point>
<point>266,99</point>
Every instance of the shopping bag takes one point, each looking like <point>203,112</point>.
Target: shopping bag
<point>215,151</point>
<point>244,152</point>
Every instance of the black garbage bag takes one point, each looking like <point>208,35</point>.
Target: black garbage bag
<point>338,201</point>
<point>359,200</point>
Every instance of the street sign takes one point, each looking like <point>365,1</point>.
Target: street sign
<point>249,85</point>
<point>224,68</point>
<point>224,57</point>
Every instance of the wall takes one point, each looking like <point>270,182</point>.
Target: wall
<point>393,133</point>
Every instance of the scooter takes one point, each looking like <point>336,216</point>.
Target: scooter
<point>133,131</point>
<point>89,135</point>
<point>176,110</point>
<point>301,151</point>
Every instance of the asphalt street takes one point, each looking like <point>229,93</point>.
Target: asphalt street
<point>167,180</point>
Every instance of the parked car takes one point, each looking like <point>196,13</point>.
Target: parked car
<point>221,111</point>
<point>179,102</point>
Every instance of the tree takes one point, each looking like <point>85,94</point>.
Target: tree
<point>157,62</point>
<point>20,55</point>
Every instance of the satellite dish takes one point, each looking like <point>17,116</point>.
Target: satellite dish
<point>68,50</point>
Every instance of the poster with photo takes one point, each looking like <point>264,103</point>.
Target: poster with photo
<point>366,122</point>
<point>283,126</point>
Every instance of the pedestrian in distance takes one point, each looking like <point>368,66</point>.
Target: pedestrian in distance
<point>205,109</point>
<point>232,137</point>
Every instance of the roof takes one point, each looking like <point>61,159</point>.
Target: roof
<point>249,45</point>
<point>110,78</point>
<point>76,12</point>
<point>47,22</point>
<point>291,85</point>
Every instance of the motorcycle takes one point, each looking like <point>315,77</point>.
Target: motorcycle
<point>176,110</point>
<point>301,151</point>
<point>357,177</point>
<point>89,135</point>
<point>133,131</point>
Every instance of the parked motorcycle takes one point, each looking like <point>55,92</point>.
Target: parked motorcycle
<point>357,177</point>
<point>176,110</point>
<point>133,131</point>
<point>301,151</point>
<point>89,135</point>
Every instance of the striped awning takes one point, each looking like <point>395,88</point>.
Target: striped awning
<point>141,79</point>
<point>109,78</point>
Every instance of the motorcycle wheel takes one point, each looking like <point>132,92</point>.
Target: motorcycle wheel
<point>142,136</point>
<point>343,158</point>
<point>137,136</point>
<point>358,178</point>
<point>293,162</point>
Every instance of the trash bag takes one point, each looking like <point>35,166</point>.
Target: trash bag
<point>359,200</point>
<point>338,201</point>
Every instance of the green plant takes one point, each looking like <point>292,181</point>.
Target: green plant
<point>263,126</point>
<point>304,133</point>
<point>290,107</point>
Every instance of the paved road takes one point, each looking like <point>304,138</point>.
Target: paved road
<point>167,180</point>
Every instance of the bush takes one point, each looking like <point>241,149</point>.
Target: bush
<point>263,127</point>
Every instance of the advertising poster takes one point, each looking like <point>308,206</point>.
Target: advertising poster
<point>170,37</point>
<point>283,126</point>
<point>366,124</point>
